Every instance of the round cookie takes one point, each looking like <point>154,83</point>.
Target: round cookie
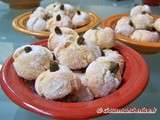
<point>102,77</point>
<point>51,9</point>
<point>61,35</point>
<point>124,26</point>
<point>57,82</point>
<point>31,60</point>
<point>140,9</point>
<point>142,21</point>
<point>60,20</point>
<point>78,54</point>
<point>80,19</point>
<point>103,37</point>
<point>39,12</point>
<point>65,8</point>
<point>36,24</point>
<point>145,35</point>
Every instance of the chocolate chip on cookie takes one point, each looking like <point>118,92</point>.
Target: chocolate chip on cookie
<point>114,67</point>
<point>144,12</point>
<point>80,41</point>
<point>150,28</point>
<point>46,17</point>
<point>54,6</point>
<point>54,57</point>
<point>78,12</point>
<point>131,23</point>
<point>67,44</point>
<point>54,66</point>
<point>58,31</point>
<point>62,7</point>
<point>102,53</point>
<point>27,49</point>
<point>58,18</point>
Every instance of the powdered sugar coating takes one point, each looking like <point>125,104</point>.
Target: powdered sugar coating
<point>39,12</point>
<point>51,9</point>
<point>76,56</point>
<point>58,84</point>
<point>49,14</point>
<point>145,35</point>
<point>123,26</point>
<point>68,35</point>
<point>36,24</point>
<point>99,79</point>
<point>81,19</point>
<point>30,65</point>
<point>69,10</point>
<point>139,9</point>
<point>142,21</point>
<point>116,57</point>
<point>65,21</point>
<point>104,38</point>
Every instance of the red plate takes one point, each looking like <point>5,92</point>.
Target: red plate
<point>135,79</point>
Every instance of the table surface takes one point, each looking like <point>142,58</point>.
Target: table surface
<point>10,40</point>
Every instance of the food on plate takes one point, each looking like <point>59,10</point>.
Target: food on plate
<point>65,8</point>
<point>61,35</point>
<point>56,14</point>
<point>80,19</point>
<point>142,21</point>
<point>140,9</point>
<point>140,25</point>
<point>52,8</point>
<point>31,60</point>
<point>36,21</point>
<point>69,10</point>
<point>115,57</point>
<point>145,35</point>
<point>57,82</point>
<point>124,26</point>
<point>76,55</point>
<point>36,24</point>
<point>75,68</point>
<point>103,75</point>
<point>39,12</point>
<point>60,20</point>
<point>102,37</point>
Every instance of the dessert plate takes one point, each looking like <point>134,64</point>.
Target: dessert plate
<point>135,79</point>
<point>143,47</point>
<point>19,23</point>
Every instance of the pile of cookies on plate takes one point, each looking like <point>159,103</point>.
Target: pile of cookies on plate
<point>57,14</point>
<point>140,25</point>
<point>72,67</point>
